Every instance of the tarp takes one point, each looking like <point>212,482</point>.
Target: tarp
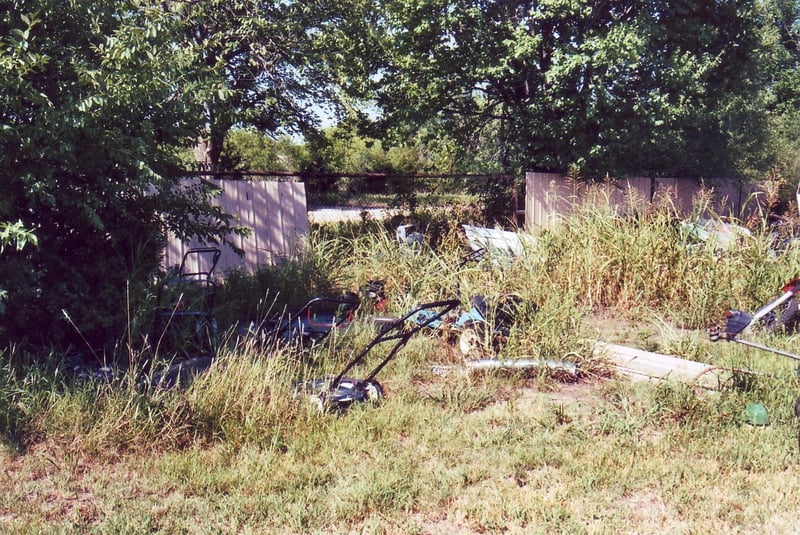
<point>494,241</point>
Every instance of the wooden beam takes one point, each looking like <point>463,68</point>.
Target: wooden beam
<point>645,365</point>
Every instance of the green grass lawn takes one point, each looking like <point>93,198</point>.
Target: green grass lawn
<point>455,455</point>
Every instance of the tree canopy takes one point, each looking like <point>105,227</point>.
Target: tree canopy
<point>284,65</point>
<point>616,87</point>
<point>101,99</point>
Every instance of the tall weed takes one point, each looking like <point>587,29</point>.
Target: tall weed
<point>647,261</point>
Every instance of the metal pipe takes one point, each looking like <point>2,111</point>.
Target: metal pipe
<point>521,364</point>
<point>766,348</point>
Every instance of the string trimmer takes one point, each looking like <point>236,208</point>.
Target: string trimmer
<point>737,321</point>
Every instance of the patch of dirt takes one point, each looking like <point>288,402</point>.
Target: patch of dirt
<point>615,330</point>
<point>584,393</point>
<point>652,512</point>
<point>443,524</point>
<point>581,395</point>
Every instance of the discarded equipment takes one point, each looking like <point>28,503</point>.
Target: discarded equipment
<point>184,317</point>
<point>482,330</point>
<point>720,234</point>
<point>305,328</point>
<point>756,414</point>
<point>639,364</point>
<point>309,325</point>
<point>495,242</point>
<point>409,235</point>
<point>340,392</point>
<point>737,321</point>
<point>184,326</point>
<point>374,293</point>
<point>183,331</point>
<point>557,367</point>
<point>485,327</point>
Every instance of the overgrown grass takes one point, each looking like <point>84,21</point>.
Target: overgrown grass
<point>236,451</point>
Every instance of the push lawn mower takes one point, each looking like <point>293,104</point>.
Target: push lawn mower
<point>338,393</point>
<point>309,325</point>
<point>184,319</point>
<point>184,327</point>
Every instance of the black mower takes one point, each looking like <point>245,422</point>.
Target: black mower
<point>308,326</point>
<point>340,392</point>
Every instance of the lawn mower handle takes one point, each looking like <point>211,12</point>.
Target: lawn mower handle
<point>396,331</point>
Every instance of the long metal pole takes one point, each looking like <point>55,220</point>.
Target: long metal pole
<point>767,348</point>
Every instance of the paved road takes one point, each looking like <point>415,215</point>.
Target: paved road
<point>336,214</point>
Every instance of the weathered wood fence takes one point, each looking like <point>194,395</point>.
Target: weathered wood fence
<point>550,195</point>
<point>275,212</point>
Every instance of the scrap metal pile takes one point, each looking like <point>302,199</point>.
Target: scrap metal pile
<point>184,337</point>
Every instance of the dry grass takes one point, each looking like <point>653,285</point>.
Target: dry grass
<point>468,456</point>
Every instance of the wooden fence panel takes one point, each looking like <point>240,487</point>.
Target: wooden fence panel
<point>269,200</point>
<point>549,196</point>
<point>295,213</point>
<point>546,196</point>
<point>275,212</point>
<point>259,243</point>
